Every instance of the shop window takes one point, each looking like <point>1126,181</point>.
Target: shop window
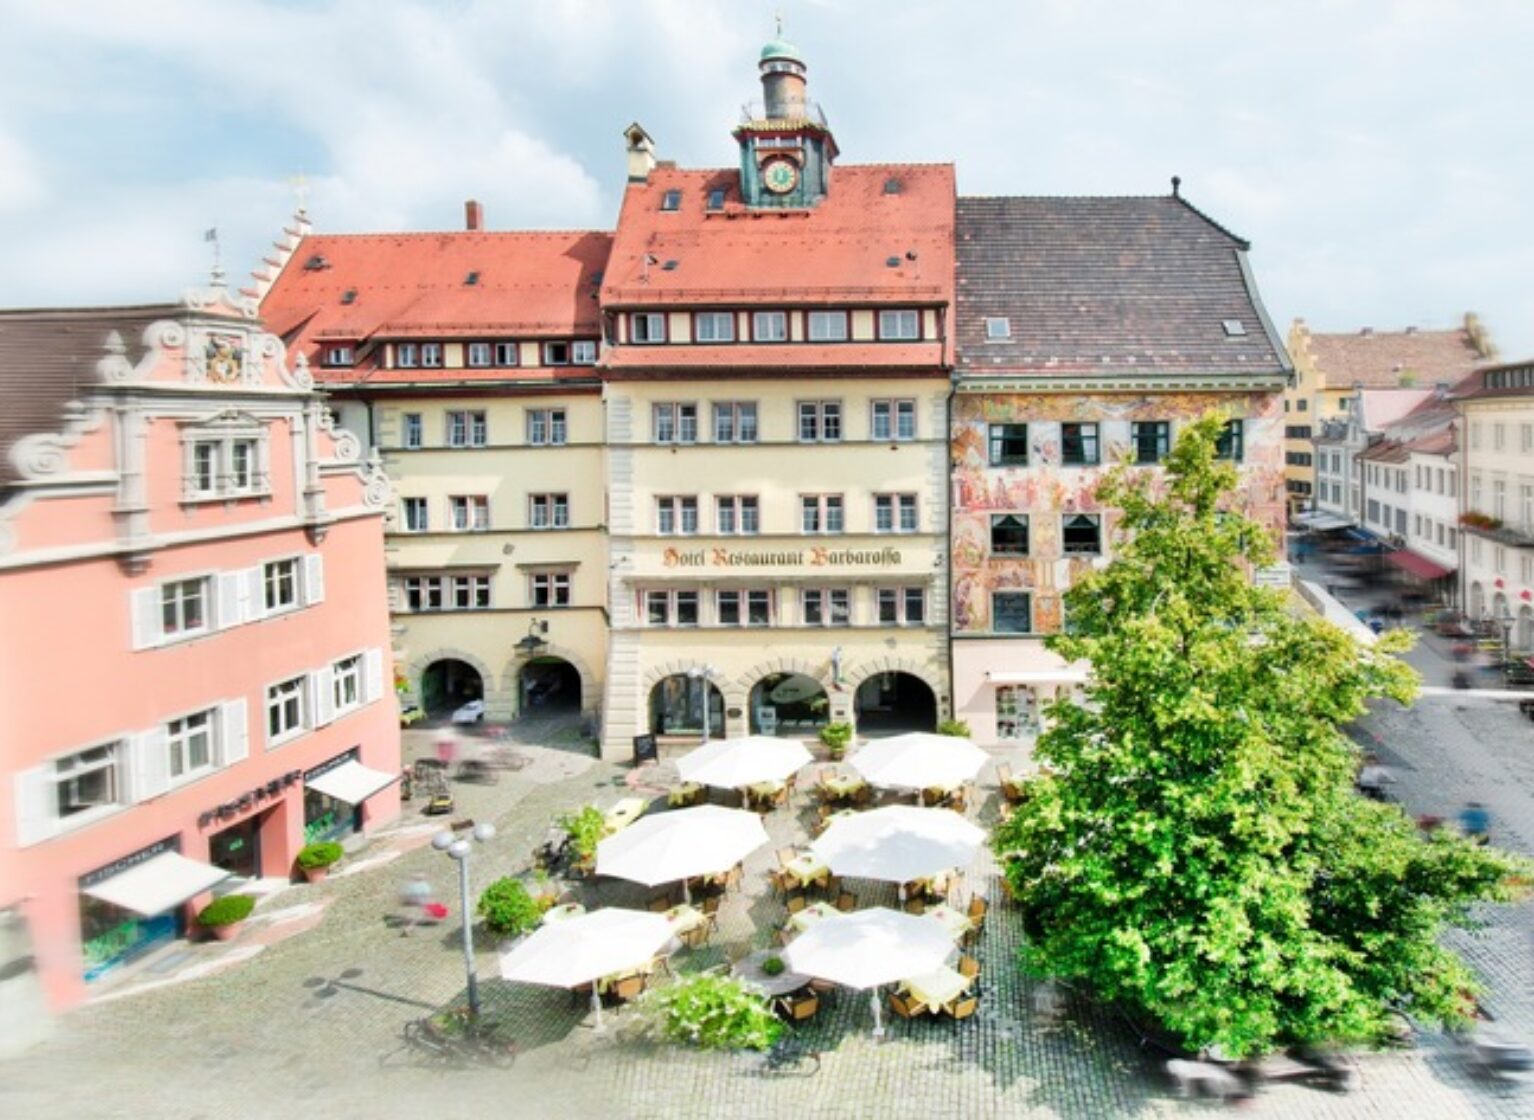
<point>1014,712</point>
<point>1012,612</point>
<point>1078,445</point>
<point>1081,534</point>
<point>1009,534</point>
<point>1008,445</point>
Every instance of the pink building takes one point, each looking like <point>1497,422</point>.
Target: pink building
<point>194,666</point>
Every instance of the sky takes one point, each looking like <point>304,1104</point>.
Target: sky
<point>1377,153</point>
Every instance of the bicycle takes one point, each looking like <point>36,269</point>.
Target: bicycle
<point>467,1042</point>
<point>789,1058</point>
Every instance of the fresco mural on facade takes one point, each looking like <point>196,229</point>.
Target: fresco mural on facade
<point>1046,489</point>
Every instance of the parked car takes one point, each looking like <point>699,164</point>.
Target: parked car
<point>472,712</point>
<point>409,715</point>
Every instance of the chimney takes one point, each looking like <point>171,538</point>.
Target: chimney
<point>473,216</point>
<point>641,153</point>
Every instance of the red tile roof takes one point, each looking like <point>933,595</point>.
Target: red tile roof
<point>834,253</point>
<point>828,356</point>
<point>1381,359</point>
<point>1497,381</point>
<point>412,285</point>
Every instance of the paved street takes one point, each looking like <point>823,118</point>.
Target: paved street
<point>302,1025</point>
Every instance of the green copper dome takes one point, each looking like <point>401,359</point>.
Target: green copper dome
<point>781,48</point>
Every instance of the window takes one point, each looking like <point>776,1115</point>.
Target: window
<point>471,513</point>
<point>671,608</point>
<point>204,467</point>
<point>894,513</point>
<point>556,353</point>
<point>828,326</point>
<point>285,709</point>
<point>346,682</point>
<point>820,513</point>
<point>1078,445</point>
<point>676,423</point>
<point>671,200</point>
<point>769,326</point>
<point>545,426</point>
<point>900,325</point>
<point>415,515</point>
<point>826,606</point>
<point>280,583</point>
<point>338,355</point>
<point>1012,612</point>
<point>1081,534</point>
<point>412,430</point>
<point>1152,440</point>
<point>1009,534</point>
<point>714,326</point>
<point>647,326</point>
<point>1296,431</point>
<point>549,589</point>
<point>1475,491</point>
<point>1304,405</point>
<point>85,780</point>
<point>478,354</point>
<point>735,422</point>
<point>737,514</point>
<point>894,420</point>
<point>997,327</point>
<point>184,607</point>
<point>902,606</point>
<point>820,421</point>
<point>406,355</point>
<point>506,353</point>
<point>431,355</point>
<point>227,467</point>
<point>743,608</point>
<point>548,511</point>
<point>715,199</point>
<point>1009,445</point>
<point>1499,499</point>
<point>676,516</point>
<point>1231,441</point>
<point>242,465</point>
<point>189,741</point>
<point>469,592</point>
<point>465,429</point>
<point>1297,458</point>
<point>1526,437</point>
<point>1526,505</point>
<point>1400,522</point>
<point>1498,436</point>
<point>583,352</point>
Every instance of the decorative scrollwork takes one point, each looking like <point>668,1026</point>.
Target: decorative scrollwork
<point>377,490</point>
<point>40,455</point>
<point>299,377</point>
<point>113,365</point>
<point>166,334</point>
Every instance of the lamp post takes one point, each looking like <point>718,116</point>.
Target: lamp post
<point>458,850</point>
<point>1506,619</point>
<point>704,673</point>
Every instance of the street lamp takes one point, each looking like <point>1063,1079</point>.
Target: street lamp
<point>459,850</point>
<point>706,674</point>
<point>1506,619</point>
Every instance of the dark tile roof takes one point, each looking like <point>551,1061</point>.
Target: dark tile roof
<point>1511,379</point>
<point>48,357</point>
<point>1105,285</point>
<point>1386,359</point>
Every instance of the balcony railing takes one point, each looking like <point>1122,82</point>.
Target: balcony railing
<point>1514,534</point>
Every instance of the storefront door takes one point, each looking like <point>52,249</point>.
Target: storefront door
<point>237,849</point>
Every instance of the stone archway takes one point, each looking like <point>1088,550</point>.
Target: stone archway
<point>448,684</point>
<point>858,675</point>
<point>738,692</point>
<point>590,688</point>
<point>494,698</point>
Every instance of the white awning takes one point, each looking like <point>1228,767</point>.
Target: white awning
<point>157,884</point>
<point>351,782</point>
<point>1039,676</point>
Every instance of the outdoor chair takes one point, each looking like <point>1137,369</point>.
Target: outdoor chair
<point>963,1007</point>
<point>969,966</point>
<point>798,1008</point>
<point>915,904</point>
<point>796,901</point>
<point>907,1007</point>
<point>662,963</point>
<point>630,987</point>
<point>697,937</point>
<point>846,902</point>
<point>786,856</point>
<point>822,986</point>
<point>778,880</point>
<point>977,909</point>
<point>710,908</point>
<point>733,877</point>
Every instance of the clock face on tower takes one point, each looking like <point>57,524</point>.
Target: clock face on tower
<point>780,176</point>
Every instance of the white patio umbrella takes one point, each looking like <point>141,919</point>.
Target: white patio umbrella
<point>919,761</point>
<point>679,845</point>
<point>898,843</point>
<point>585,948</point>
<point>868,948</point>
<point>732,763</point>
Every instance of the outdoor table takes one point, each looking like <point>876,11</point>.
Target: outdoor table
<point>934,887</point>
<point>842,785</point>
<point>684,919</point>
<point>807,868</point>
<point>763,792</point>
<point>625,813</point>
<point>563,913</point>
<point>954,922</point>
<point>749,970</point>
<point>811,914</point>
<point>685,794</point>
<point>937,988</point>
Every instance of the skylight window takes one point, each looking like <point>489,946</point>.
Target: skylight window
<point>671,200</point>
<point>892,186</point>
<point>997,328</point>
<point>1234,328</point>
<point>471,278</point>
<point>316,262</point>
<point>716,199</point>
<point>349,296</point>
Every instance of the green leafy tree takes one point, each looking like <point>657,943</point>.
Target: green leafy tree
<point>1195,849</point>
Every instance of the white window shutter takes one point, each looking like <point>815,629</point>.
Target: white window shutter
<point>253,593</point>
<point>372,675</point>
<point>322,697</point>
<point>34,810</point>
<point>149,763</point>
<point>314,579</point>
<point>146,617</point>
<point>230,586</point>
<point>234,734</point>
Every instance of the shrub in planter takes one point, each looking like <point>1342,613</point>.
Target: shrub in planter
<point>585,827</point>
<point>956,727</point>
<point>315,860</point>
<point>508,909</point>
<point>714,1013</point>
<point>836,736</point>
<point>773,966</point>
<point>223,916</point>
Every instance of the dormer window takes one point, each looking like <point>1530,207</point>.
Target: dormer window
<point>716,199</point>
<point>583,352</point>
<point>828,326</point>
<point>903,325</point>
<point>671,200</point>
<point>477,354</point>
<point>714,326</point>
<point>338,355</point>
<point>997,328</point>
<point>556,353</point>
<point>505,353</point>
<point>407,355</point>
<point>431,355</point>
<point>647,327</point>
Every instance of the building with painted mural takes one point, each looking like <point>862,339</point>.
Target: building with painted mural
<point>775,388</point>
<point>468,358</point>
<point>1088,331</point>
<point>176,500</point>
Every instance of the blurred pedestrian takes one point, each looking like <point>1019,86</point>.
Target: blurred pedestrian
<point>447,748</point>
<point>1374,778</point>
<point>414,897</point>
<point>1475,822</point>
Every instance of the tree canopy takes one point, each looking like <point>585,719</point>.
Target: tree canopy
<point>1195,848</point>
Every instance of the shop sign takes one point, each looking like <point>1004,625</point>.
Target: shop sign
<point>118,866</point>
<point>246,801</point>
<point>330,764</point>
<point>818,556</point>
<point>1280,575</point>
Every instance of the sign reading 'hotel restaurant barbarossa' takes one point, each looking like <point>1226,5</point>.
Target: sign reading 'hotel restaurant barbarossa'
<point>817,557</point>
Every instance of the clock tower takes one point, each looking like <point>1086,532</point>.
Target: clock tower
<point>786,147</point>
